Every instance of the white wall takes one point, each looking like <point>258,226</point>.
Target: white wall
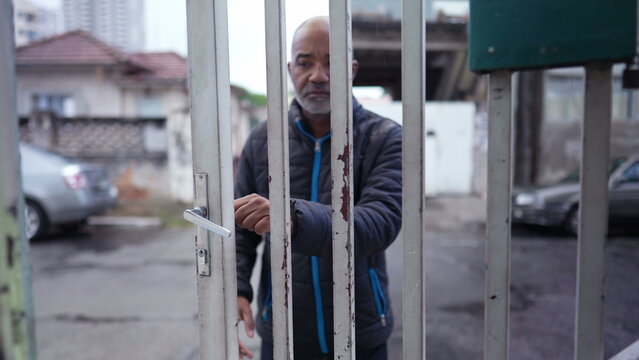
<point>180,156</point>
<point>449,144</point>
<point>180,150</point>
<point>95,94</point>
<point>172,98</point>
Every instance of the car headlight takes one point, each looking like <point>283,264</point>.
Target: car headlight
<point>525,199</point>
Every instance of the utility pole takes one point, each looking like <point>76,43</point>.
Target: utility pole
<point>17,333</point>
<point>529,115</point>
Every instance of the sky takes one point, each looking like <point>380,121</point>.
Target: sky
<point>165,30</point>
<point>165,27</point>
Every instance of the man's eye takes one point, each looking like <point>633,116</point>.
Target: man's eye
<point>304,64</point>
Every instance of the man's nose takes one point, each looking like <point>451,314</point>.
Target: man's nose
<point>320,74</point>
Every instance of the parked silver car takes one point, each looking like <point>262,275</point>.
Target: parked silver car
<point>61,191</point>
<point>557,205</point>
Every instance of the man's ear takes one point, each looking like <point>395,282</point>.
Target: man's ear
<point>355,67</point>
<point>288,66</point>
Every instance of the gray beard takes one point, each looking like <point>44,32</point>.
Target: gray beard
<point>314,108</point>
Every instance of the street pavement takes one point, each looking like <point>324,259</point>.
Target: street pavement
<point>129,293</point>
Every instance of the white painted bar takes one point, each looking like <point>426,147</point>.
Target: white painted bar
<point>413,172</point>
<point>593,212</point>
<point>342,178</point>
<point>211,138</point>
<point>17,335</point>
<point>279,189</point>
<point>498,219</point>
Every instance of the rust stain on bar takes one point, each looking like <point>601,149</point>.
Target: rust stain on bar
<point>286,290</point>
<point>285,255</point>
<point>344,157</point>
<point>10,248</point>
<point>286,274</point>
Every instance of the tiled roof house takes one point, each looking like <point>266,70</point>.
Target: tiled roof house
<point>116,106</point>
<point>75,74</point>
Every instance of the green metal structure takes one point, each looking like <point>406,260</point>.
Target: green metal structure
<point>16,309</point>
<point>524,34</point>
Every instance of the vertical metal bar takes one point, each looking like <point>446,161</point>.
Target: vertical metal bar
<point>342,179</point>
<point>211,138</point>
<point>413,168</point>
<point>279,190</point>
<point>17,337</point>
<point>593,212</point>
<point>498,220</point>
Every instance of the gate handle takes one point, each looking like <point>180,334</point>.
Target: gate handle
<point>198,217</point>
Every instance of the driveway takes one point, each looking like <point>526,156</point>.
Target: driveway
<point>128,293</point>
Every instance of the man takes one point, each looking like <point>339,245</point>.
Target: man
<point>377,212</point>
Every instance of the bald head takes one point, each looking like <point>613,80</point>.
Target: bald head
<point>310,66</point>
<point>314,26</point>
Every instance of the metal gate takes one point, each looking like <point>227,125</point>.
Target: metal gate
<point>208,63</point>
<point>215,249</point>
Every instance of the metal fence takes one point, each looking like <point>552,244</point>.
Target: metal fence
<point>83,137</point>
<point>208,62</point>
<point>216,279</point>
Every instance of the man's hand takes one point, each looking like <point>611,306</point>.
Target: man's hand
<point>244,351</point>
<point>252,213</point>
<point>245,314</point>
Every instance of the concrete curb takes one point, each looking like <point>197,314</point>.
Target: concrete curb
<point>135,221</point>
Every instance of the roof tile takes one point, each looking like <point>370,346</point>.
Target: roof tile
<point>75,47</point>
<point>163,65</point>
<point>81,48</point>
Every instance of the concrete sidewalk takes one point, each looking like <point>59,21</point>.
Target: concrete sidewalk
<point>129,293</point>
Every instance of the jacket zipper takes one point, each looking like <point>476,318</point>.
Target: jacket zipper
<point>378,296</point>
<point>317,290</point>
<point>267,302</point>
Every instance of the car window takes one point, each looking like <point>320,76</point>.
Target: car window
<point>632,173</point>
<point>35,160</point>
<point>574,176</point>
<point>42,153</point>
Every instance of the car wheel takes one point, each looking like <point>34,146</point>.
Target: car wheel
<point>571,225</point>
<point>35,221</point>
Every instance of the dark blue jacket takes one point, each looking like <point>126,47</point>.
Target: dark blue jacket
<point>377,198</point>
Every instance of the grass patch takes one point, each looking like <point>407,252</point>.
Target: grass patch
<point>169,212</point>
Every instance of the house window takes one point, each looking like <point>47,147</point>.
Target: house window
<point>60,105</point>
<point>564,99</point>
<point>146,106</point>
<point>28,17</point>
<point>623,106</point>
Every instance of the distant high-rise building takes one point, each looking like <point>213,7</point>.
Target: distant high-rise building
<point>117,22</point>
<point>32,22</point>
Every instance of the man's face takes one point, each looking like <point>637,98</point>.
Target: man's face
<point>309,69</point>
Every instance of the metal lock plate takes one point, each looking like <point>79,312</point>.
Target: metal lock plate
<point>203,266</point>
